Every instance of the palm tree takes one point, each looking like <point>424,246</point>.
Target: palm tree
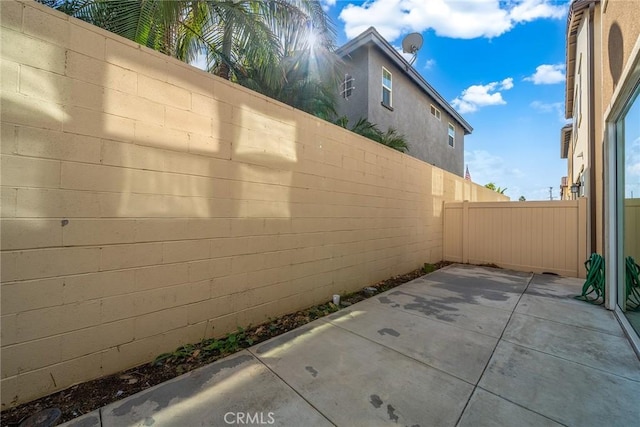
<point>492,186</point>
<point>308,71</point>
<point>281,48</point>
<point>391,138</point>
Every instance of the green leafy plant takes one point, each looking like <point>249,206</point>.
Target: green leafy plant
<point>230,344</point>
<point>428,268</point>
<point>391,138</point>
<point>492,186</point>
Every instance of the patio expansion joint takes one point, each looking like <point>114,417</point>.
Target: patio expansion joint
<point>403,354</point>
<point>573,361</point>
<point>475,386</point>
<point>517,404</point>
<point>255,356</point>
<point>100,415</point>
<point>622,334</point>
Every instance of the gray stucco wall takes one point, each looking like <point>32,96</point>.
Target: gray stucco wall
<point>355,106</point>
<point>427,136</point>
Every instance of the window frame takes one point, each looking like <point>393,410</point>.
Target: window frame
<point>435,112</point>
<point>451,139</point>
<point>347,86</point>
<point>384,87</point>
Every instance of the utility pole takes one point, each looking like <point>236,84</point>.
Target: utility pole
<point>550,193</point>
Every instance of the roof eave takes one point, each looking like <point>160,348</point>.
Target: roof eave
<point>575,16</point>
<point>372,36</point>
<point>565,140</point>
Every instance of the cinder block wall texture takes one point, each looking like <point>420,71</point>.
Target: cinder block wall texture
<point>147,204</point>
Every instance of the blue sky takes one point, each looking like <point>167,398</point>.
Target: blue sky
<point>500,64</point>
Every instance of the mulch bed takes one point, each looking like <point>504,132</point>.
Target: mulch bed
<point>91,395</point>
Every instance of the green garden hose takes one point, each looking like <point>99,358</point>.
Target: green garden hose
<point>632,284</point>
<point>595,280</point>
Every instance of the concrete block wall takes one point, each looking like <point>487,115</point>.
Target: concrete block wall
<point>147,204</point>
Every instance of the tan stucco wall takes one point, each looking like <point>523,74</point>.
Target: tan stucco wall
<point>146,204</point>
<point>620,31</point>
<point>580,151</point>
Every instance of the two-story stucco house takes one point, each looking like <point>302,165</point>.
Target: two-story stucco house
<point>381,85</point>
<point>602,143</point>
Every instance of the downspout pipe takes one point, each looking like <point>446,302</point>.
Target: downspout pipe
<point>592,133</point>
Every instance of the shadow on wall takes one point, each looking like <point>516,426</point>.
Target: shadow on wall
<point>616,52</point>
<point>145,203</point>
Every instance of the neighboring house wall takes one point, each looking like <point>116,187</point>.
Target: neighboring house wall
<point>145,203</point>
<point>427,137</point>
<point>355,106</point>
<point>581,100</point>
<point>410,114</point>
<point>585,157</point>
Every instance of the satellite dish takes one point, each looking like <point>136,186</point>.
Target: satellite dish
<point>412,44</point>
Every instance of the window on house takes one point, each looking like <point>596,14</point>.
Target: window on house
<point>452,135</point>
<point>435,112</point>
<point>386,87</point>
<point>347,86</point>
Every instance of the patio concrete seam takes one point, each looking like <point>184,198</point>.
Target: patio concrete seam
<point>484,370</point>
<point>572,361</point>
<point>517,404</point>
<point>574,325</point>
<point>406,355</point>
<point>289,385</point>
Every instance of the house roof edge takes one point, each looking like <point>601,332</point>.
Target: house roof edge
<point>371,35</point>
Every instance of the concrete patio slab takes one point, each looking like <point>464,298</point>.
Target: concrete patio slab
<point>553,286</point>
<point>216,395</point>
<point>451,310</point>
<point>355,382</point>
<point>456,351</point>
<point>488,410</point>
<point>430,352</point>
<point>564,391</point>
<point>570,312</point>
<point>491,278</point>
<point>92,419</point>
<point>610,353</point>
<point>472,292</point>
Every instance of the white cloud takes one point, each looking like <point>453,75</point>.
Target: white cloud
<point>535,9</point>
<point>485,167</point>
<point>506,84</point>
<point>448,18</point>
<point>477,96</point>
<point>429,64</point>
<point>547,74</point>
<point>327,4</point>
<point>552,107</point>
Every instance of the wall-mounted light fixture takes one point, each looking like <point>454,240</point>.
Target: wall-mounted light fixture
<point>575,188</point>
